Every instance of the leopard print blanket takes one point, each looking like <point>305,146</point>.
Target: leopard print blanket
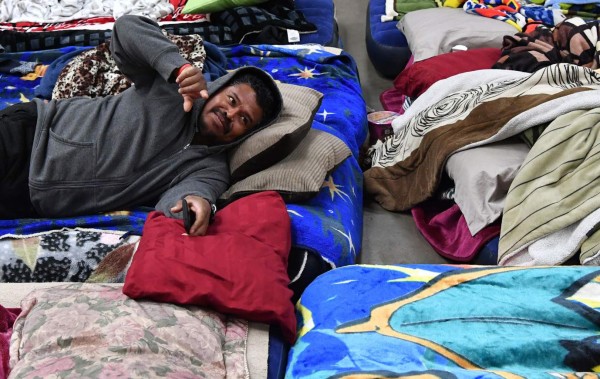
<point>94,72</point>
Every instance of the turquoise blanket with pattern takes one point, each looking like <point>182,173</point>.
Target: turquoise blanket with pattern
<point>445,321</point>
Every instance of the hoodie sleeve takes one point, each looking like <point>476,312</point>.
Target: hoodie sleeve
<point>208,181</point>
<point>141,50</point>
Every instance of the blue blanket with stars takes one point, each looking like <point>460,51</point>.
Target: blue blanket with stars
<point>330,223</point>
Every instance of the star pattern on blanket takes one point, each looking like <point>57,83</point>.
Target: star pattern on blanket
<point>24,68</point>
<point>38,72</point>
<point>586,295</point>
<point>348,236</point>
<point>307,73</point>
<point>413,274</point>
<point>262,54</point>
<point>334,188</point>
<point>324,114</point>
<point>295,213</point>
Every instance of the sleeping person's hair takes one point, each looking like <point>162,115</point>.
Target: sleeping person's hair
<point>264,95</point>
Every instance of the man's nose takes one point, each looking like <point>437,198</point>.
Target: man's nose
<point>233,112</point>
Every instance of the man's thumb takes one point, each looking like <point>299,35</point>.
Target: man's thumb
<point>187,103</point>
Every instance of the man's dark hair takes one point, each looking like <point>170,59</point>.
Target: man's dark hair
<point>264,94</point>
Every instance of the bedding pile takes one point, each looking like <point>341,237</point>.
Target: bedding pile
<point>477,155</point>
<point>317,175</point>
<point>401,31</point>
<point>517,14</point>
<point>89,23</point>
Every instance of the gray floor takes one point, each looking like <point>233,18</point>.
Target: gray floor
<point>388,237</point>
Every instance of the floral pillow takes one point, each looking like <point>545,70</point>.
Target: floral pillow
<point>86,330</point>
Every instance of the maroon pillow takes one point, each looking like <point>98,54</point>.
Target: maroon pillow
<point>239,267</point>
<point>417,78</point>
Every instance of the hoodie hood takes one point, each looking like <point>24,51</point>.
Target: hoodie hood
<point>216,85</point>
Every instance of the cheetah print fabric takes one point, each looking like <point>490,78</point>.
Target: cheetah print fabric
<point>67,256</point>
<point>94,72</point>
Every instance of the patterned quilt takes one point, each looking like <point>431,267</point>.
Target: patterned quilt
<point>445,321</point>
<point>329,224</point>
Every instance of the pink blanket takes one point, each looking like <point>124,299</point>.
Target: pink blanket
<point>7,319</point>
<point>445,228</point>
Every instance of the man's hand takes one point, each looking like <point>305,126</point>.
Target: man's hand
<point>192,85</point>
<point>201,207</point>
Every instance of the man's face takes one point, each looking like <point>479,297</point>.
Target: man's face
<point>230,113</point>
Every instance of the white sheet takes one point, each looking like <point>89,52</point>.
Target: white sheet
<point>46,11</point>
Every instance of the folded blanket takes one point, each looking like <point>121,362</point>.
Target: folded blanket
<point>514,13</point>
<point>554,201</point>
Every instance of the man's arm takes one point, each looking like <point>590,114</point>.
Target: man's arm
<point>141,50</point>
<point>206,182</point>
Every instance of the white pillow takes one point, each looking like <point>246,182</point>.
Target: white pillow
<point>435,31</point>
<point>482,176</point>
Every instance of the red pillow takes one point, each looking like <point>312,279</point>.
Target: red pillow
<point>239,267</point>
<point>417,78</point>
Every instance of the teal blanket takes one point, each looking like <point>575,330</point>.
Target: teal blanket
<point>444,321</point>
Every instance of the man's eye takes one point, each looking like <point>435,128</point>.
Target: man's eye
<point>231,100</point>
<point>245,120</point>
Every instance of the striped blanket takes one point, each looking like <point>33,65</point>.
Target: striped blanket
<point>553,204</point>
<point>407,168</point>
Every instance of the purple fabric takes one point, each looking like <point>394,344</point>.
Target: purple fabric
<point>445,228</point>
<point>392,100</point>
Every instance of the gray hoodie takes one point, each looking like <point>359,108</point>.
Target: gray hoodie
<point>95,155</point>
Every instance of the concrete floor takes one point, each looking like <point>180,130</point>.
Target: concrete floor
<point>388,237</point>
